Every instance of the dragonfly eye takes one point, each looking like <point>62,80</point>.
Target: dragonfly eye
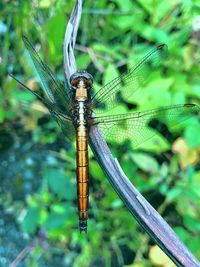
<point>74,79</point>
<point>88,79</point>
<point>81,75</point>
<point>74,82</point>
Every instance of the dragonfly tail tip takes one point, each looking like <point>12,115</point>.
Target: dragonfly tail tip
<point>83,226</point>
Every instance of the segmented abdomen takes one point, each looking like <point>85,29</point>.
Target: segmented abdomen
<point>82,176</point>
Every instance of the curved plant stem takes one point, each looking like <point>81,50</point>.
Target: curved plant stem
<point>141,210</point>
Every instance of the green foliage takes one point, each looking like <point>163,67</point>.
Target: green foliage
<point>113,36</point>
<point>59,184</point>
<point>30,222</point>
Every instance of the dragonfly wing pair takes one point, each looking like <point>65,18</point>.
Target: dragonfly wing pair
<point>52,93</point>
<point>58,100</point>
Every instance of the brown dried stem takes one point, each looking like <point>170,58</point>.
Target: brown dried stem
<point>142,211</point>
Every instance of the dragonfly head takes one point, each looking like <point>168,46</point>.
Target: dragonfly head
<point>81,75</point>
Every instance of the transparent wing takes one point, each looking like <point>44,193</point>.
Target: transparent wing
<point>141,126</point>
<point>66,126</point>
<point>127,83</point>
<point>54,90</point>
<point>63,120</point>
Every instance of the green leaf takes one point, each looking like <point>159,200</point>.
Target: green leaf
<point>60,185</point>
<point>83,61</point>
<point>182,233</point>
<point>2,114</point>
<point>116,204</point>
<point>23,95</point>
<point>110,73</point>
<point>31,219</point>
<point>58,216</point>
<point>194,245</point>
<point>155,144</point>
<point>179,97</point>
<point>55,29</point>
<point>154,34</point>
<point>126,5</point>
<point>125,22</point>
<point>95,170</point>
<point>192,135</point>
<point>191,223</point>
<point>196,90</point>
<point>180,82</point>
<point>145,162</point>
<point>45,3</point>
<point>174,193</point>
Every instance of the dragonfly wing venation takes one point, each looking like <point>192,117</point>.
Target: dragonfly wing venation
<point>127,83</point>
<point>137,126</point>
<point>64,121</point>
<point>54,90</point>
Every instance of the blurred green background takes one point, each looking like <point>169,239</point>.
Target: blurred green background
<point>38,222</point>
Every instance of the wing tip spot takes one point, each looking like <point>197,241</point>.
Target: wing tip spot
<point>161,46</point>
<point>189,105</point>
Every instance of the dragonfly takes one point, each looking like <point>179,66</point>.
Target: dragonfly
<point>77,108</point>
